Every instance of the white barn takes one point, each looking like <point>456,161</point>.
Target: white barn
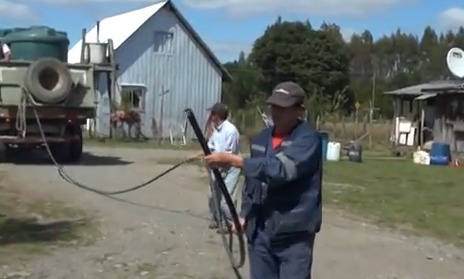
<point>157,49</point>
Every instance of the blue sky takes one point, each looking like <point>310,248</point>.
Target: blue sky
<point>229,26</point>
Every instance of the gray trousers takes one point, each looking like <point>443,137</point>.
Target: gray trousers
<point>230,178</point>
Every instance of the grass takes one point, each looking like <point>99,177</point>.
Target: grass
<point>151,144</point>
<point>29,225</point>
<point>426,200</point>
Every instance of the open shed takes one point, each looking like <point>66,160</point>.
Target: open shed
<point>429,112</point>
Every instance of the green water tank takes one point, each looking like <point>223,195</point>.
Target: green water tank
<point>37,42</point>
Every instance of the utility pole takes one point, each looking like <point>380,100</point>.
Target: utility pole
<point>372,102</point>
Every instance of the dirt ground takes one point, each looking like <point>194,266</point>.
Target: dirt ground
<point>162,232</point>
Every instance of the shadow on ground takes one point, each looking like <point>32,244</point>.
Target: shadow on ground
<point>40,157</point>
<point>29,230</point>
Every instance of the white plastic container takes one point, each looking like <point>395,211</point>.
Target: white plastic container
<point>333,151</point>
<point>421,157</point>
<point>96,53</point>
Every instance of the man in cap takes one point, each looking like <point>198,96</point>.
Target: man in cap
<point>281,200</point>
<point>225,138</point>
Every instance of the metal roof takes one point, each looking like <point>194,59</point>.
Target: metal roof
<point>452,86</point>
<point>439,86</point>
<point>120,27</point>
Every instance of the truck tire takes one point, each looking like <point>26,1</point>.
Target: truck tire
<point>75,147</point>
<point>69,152</point>
<point>3,152</point>
<point>48,80</point>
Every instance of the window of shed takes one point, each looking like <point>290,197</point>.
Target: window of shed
<point>164,42</point>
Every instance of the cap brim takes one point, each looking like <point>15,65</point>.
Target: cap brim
<point>276,100</point>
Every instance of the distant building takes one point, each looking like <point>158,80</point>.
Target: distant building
<point>157,51</point>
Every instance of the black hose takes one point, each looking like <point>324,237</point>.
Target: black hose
<point>70,180</point>
<point>225,194</point>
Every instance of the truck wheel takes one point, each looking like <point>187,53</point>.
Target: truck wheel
<point>3,152</point>
<point>75,147</point>
<point>48,80</point>
<point>70,151</point>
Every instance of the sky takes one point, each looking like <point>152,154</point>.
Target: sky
<point>231,26</point>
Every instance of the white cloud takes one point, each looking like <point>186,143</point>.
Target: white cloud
<point>452,18</point>
<point>306,7</point>
<point>17,11</point>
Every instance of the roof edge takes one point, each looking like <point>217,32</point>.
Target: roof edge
<point>225,74</point>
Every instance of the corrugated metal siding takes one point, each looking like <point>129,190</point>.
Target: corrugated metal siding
<point>188,75</point>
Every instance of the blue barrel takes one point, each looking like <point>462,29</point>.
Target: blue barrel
<point>325,144</point>
<point>355,152</point>
<point>440,154</point>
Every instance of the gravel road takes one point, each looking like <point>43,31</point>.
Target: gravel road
<point>166,234</point>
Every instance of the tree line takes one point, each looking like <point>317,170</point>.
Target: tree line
<point>337,74</point>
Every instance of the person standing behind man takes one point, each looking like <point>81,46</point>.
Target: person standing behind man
<point>225,138</point>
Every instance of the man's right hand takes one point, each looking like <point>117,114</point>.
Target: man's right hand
<point>242,226</point>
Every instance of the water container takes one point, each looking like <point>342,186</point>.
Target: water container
<point>37,42</point>
<point>325,142</point>
<point>355,152</point>
<point>333,151</point>
<point>440,154</point>
<point>421,157</point>
<point>96,53</point>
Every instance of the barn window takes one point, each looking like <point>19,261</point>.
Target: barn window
<point>133,97</point>
<point>164,42</point>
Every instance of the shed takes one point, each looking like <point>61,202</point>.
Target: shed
<point>163,67</point>
<point>429,112</point>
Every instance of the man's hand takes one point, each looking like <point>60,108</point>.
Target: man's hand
<point>219,159</point>
<point>242,226</point>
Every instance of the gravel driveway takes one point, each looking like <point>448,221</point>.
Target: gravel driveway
<point>163,232</point>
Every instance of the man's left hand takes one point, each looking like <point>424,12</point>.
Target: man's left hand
<point>220,159</point>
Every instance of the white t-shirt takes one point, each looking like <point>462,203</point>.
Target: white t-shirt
<point>6,49</point>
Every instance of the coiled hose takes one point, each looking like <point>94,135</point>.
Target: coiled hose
<point>228,199</point>
<point>193,122</point>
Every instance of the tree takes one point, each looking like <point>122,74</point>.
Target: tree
<point>244,87</point>
<point>316,59</point>
<point>335,73</point>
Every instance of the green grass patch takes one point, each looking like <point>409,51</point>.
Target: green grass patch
<point>428,200</point>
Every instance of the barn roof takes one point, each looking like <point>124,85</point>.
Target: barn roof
<point>440,86</point>
<point>120,27</point>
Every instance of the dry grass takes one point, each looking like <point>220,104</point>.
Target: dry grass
<point>346,131</point>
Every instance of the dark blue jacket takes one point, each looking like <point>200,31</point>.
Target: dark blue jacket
<point>283,187</point>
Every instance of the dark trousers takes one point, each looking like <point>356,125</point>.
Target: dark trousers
<point>289,258</point>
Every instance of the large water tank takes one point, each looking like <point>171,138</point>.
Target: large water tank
<point>37,42</point>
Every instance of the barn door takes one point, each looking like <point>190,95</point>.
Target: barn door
<point>168,106</point>
<point>133,102</point>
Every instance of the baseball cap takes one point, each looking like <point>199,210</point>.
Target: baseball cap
<point>219,108</point>
<point>286,94</point>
